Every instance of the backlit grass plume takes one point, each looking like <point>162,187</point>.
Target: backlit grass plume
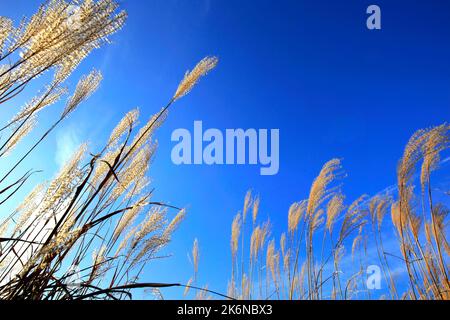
<point>192,77</point>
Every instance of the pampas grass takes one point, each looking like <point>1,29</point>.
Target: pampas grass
<point>301,269</point>
<point>90,231</point>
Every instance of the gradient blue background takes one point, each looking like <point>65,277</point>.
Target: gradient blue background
<point>310,68</point>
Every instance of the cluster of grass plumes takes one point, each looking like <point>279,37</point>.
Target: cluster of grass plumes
<point>59,36</point>
<point>322,230</point>
<point>89,232</point>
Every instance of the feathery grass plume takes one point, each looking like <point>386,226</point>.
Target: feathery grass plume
<point>446,245</point>
<point>145,134</point>
<point>319,192</point>
<point>195,256</point>
<point>352,285</point>
<point>428,233</point>
<point>151,245</point>
<point>378,207</point>
<point>247,204</point>
<point>277,274</point>
<point>139,186</point>
<point>5,31</point>
<point>411,156</point>
<point>155,241</point>
<point>265,234</point>
<point>85,88</point>
<point>65,182</point>
<point>127,219</point>
<point>187,287</point>
<point>154,221</point>
<point>301,278</point>
<point>173,225</point>
<point>440,214</point>
<point>98,258</point>
<point>192,77</point>
<point>4,226</point>
<point>246,287</point>
<point>355,245</point>
<point>382,209</point>
<point>231,287</point>
<point>316,221</point>
<point>295,213</point>
<point>439,228</point>
<point>334,208</point>
<point>339,254</point>
<point>415,224</point>
<point>21,133</point>
<point>255,241</point>
<point>395,217</point>
<point>126,240</point>
<point>353,220</point>
<point>235,232</point>
<point>287,259</point>
<point>255,209</point>
<point>271,260</point>
<point>72,164</point>
<point>283,243</point>
<point>137,168</point>
<point>37,104</point>
<point>4,79</point>
<point>258,239</point>
<point>437,140</point>
<point>127,123</point>
<point>357,204</point>
<point>28,206</point>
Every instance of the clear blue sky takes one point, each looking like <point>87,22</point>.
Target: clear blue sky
<point>309,68</point>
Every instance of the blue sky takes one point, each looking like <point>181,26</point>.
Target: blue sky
<point>309,68</point>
